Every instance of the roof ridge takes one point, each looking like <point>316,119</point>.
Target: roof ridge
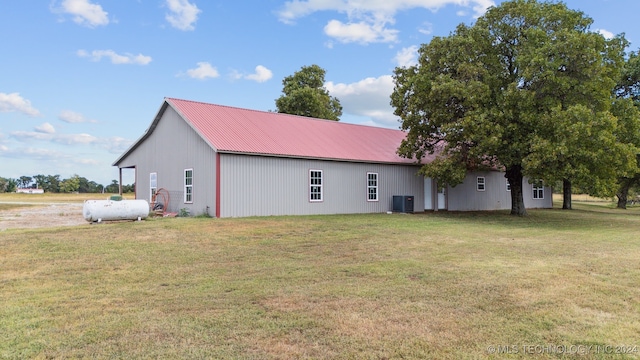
<point>282,114</point>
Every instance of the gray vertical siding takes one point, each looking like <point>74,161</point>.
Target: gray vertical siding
<point>465,196</point>
<point>172,147</point>
<point>259,186</point>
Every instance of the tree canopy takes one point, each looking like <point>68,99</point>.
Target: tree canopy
<point>627,110</point>
<point>527,88</point>
<point>304,94</point>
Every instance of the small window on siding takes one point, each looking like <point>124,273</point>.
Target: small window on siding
<point>153,186</point>
<point>188,186</point>
<point>508,185</point>
<point>315,185</point>
<point>480,182</point>
<point>538,190</point>
<point>372,186</point>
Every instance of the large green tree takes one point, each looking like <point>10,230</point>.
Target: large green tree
<point>572,74</point>
<point>503,92</point>
<point>304,94</point>
<point>627,109</point>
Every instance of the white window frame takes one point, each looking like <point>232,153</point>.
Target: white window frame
<point>372,186</point>
<point>316,185</point>
<point>538,190</point>
<point>153,185</point>
<point>508,185</point>
<point>481,183</point>
<point>188,186</point>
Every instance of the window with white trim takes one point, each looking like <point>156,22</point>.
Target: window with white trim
<point>508,185</point>
<point>188,186</point>
<point>538,190</point>
<point>480,183</point>
<point>153,186</point>
<point>372,186</point>
<point>315,185</point>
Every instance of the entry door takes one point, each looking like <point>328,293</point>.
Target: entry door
<point>442,199</point>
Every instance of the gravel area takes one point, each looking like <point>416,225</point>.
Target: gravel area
<point>42,215</point>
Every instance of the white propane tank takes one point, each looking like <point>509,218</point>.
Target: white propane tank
<point>107,210</point>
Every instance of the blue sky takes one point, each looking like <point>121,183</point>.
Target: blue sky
<point>81,80</point>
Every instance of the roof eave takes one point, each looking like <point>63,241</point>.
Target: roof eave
<point>286,156</point>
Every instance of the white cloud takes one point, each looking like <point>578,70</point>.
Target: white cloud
<point>203,71</point>
<point>368,21</point>
<point>97,55</point>
<point>31,135</point>
<point>65,139</point>
<point>183,14</point>
<point>31,153</point>
<point>73,117</point>
<point>15,102</point>
<point>84,12</point>
<point>116,144</point>
<point>369,97</point>
<point>47,133</point>
<point>426,29</point>
<point>606,33</point>
<point>361,32</point>
<point>75,139</point>
<point>45,128</point>
<point>86,161</point>
<point>262,74</point>
<point>407,56</point>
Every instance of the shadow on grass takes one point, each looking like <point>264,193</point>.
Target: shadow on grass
<point>582,216</point>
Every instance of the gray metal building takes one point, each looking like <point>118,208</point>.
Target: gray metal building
<point>230,162</point>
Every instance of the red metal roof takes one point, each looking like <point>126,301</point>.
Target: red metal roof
<point>230,129</point>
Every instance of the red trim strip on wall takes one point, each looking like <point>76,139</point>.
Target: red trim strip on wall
<point>217,184</point>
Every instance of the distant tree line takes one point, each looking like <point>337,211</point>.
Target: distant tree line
<point>54,184</point>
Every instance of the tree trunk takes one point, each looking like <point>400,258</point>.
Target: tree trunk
<point>566,194</point>
<point>514,175</point>
<point>623,194</point>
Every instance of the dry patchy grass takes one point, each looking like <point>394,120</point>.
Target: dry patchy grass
<point>438,285</point>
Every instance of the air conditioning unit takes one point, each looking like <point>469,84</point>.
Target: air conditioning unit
<point>403,203</point>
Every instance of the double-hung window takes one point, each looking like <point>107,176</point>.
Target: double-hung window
<point>480,183</point>
<point>508,185</point>
<point>315,185</point>
<point>188,186</point>
<point>538,190</point>
<point>372,186</point>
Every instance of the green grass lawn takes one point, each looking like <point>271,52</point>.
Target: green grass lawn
<point>435,286</point>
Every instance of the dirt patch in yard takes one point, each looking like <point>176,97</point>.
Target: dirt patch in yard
<point>42,215</point>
